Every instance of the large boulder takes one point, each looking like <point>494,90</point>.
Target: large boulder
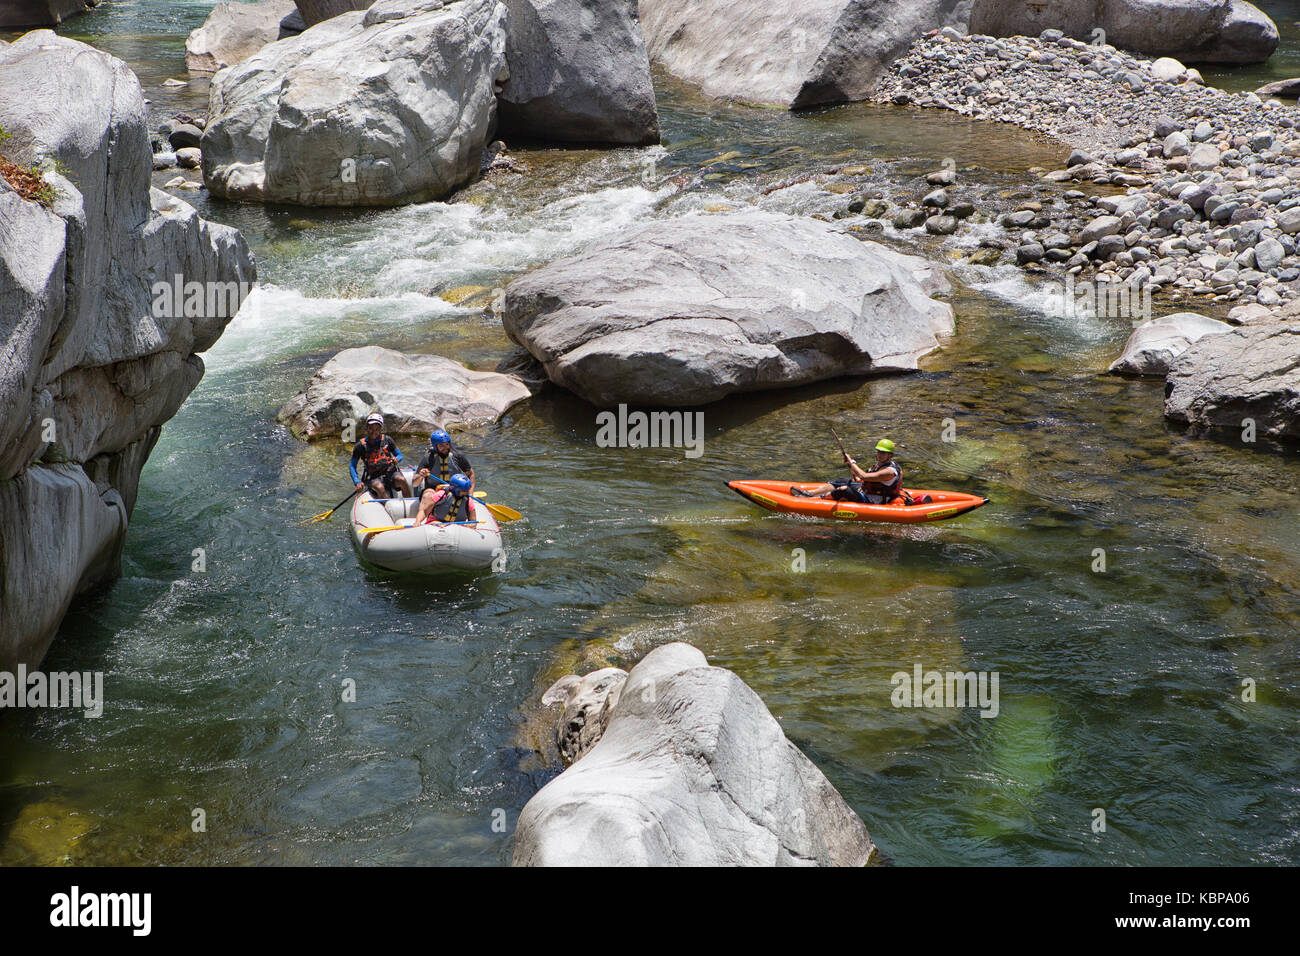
<point>578,73</point>
<point>378,108</point>
<point>1249,373</point>
<point>233,32</point>
<point>686,311</point>
<point>756,51</point>
<point>315,11</point>
<point>1200,31</point>
<point>38,13</point>
<point>691,770</point>
<point>1154,344</point>
<point>107,294</point>
<point>416,393</point>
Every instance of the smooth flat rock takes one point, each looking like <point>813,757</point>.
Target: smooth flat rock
<point>1155,343</point>
<point>1282,89</point>
<point>579,73</point>
<point>383,107</point>
<point>691,770</point>
<point>416,393</point>
<point>1252,372</point>
<point>687,311</point>
<point>755,51</point>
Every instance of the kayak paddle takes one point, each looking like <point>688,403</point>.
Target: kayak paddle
<point>325,514</point>
<point>907,499</point>
<point>407,527</point>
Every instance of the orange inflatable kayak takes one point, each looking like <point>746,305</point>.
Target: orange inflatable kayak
<point>775,496</point>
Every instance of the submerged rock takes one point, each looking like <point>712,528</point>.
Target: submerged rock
<point>1154,344</point>
<point>233,32</point>
<point>686,311</point>
<point>100,325</point>
<point>756,52</point>
<point>1252,372</point>
<point>578,74</point>
<point>416,393</point>
<point>390,106</point>
<point>691,770</point>
<point>1199,31</point>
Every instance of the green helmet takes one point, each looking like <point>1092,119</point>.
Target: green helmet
<point>885,445</point>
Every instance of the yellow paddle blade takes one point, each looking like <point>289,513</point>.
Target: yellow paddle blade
<point>502,512</point>
<point>320,517</point>
<point>391,527</point>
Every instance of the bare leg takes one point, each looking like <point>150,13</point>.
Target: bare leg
<point>820,490</point>
<point>377,489</point>
<point>426,506</point>
<point>403,485</point>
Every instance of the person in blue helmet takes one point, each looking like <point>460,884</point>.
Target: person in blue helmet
<point>451,503</point>
<point>440,463</point>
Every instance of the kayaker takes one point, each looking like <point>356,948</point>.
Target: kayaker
<point>379,456</point>
<point>439,463</point>
<point>877,487</point>
<point>447,504</point>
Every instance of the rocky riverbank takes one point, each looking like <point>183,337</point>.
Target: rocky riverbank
<point>108,291</point>
<point>1180,187</point>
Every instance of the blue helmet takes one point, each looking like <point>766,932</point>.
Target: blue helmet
<point>460,482</point>
<point>438,437</point>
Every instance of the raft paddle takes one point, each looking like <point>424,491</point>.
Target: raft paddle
<point>325,514</point>
<point>501,511</point>
<point>407,527</point>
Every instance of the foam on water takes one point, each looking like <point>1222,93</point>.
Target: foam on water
<point>276,323</point>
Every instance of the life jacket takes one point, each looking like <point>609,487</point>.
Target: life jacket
<point>887,490</point>
<point>379,461</point>
<point>444,464</point>
<point>454,513</point>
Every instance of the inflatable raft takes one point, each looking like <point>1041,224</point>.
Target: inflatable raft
<point>428,549</point>
<point>775,496</point>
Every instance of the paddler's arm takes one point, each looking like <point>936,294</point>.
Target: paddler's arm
<point>856,470</point>
<point>352,468</point>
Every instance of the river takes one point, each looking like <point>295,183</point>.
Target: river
<point>1120,689</point>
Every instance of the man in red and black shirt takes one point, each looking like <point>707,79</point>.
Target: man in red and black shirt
<point>379,456</point>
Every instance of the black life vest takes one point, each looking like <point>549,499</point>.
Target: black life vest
<point>459,510</point>
<point>379,461</point>
<point>444,464</point>
<point>887,490</point>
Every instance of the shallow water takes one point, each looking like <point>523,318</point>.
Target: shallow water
<point>1119,689</point>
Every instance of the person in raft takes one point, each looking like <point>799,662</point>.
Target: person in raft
<point>439,464</point>
<point>379,457</point>
<point>449,504</point>
<point>878,487</point>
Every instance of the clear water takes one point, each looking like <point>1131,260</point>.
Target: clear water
<point>1119,690</point>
